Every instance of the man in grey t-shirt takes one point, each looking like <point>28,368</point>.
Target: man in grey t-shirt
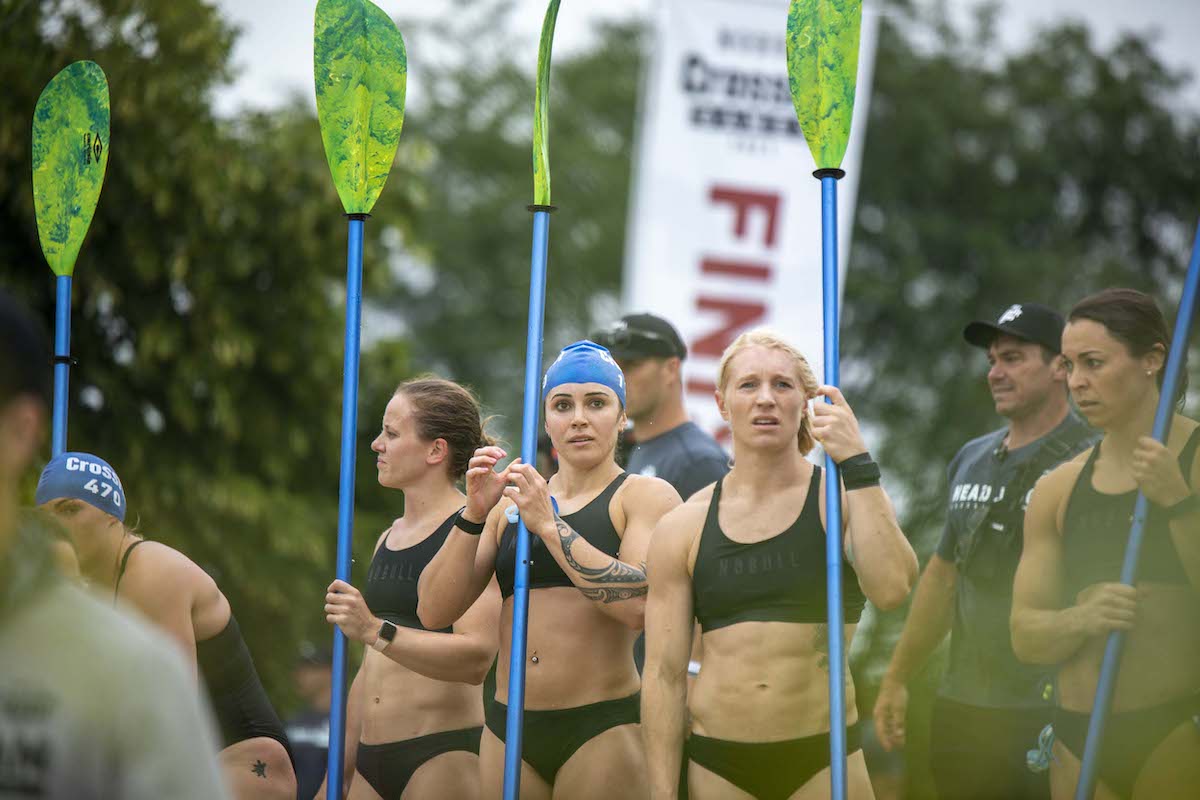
<point>991,708</point>
<point>667,444</point>
<point>93,705</point>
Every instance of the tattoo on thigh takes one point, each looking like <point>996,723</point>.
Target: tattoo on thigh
<point>260,769</point>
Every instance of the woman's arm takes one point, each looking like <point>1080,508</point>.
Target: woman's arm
<point>462,656</point>
<point>617,585</point>
<point>458,575</point>
<point>668,640</point>
<point>1042,631</point>
<point>882,557</point>
<point>1158,475</point>
<point>162,584</point>
<point>460,571</point>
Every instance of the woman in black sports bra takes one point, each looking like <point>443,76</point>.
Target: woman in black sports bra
<point>414,714</point>
<point>1068,598</point>
<point>587,589</point>
<point>84,492</point>
<point>747,559</point>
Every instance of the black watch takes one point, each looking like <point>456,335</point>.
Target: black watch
<point>1186,506</point>
<point>387,632</point>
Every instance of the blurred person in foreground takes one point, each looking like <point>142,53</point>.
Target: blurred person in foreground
<point>990,708</point>
<point>1068,598</point>
<point>747,559</point>
<point>414,712</point>
<point>666,443</point>
<point>85,494</point>
<point>93,704</point>
<point>308,729</point>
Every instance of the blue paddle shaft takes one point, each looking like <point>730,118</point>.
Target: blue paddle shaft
<point>345,534</point>
<point>62,367</point>
<point>514,724</point>
<point>1162,427</point>
<point>833,499</point>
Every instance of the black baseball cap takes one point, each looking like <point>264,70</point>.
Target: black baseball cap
<point>636,336</point>
<point>312,655</point>
<point>24,353</point>
<point>1032,322</point>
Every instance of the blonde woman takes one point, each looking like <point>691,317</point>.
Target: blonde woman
<point>746,558</point>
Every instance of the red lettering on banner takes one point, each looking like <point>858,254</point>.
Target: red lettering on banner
<point>736,269</point>
<point>737,316</point>
<point>743,201</point>
<point>739,297</point>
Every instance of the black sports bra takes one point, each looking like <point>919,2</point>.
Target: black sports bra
<point>1096,530</point>
<point>781,579</point>
<point>592,522</point>
<point>391,590</point>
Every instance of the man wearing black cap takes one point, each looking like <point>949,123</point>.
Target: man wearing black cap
<point>93,704</point>
<point>668,445</point>
<point>991,708</point>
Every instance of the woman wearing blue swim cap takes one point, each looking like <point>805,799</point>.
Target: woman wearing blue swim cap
<point>85,494</point>
<point>587,588</point>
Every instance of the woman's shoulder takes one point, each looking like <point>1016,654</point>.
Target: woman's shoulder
<point>643,488</point>
<point>1059,481</point>
<point>156,567</point>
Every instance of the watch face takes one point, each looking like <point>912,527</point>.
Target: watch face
<point>387,631</point>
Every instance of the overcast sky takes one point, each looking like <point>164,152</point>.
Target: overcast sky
<point>274,55</point>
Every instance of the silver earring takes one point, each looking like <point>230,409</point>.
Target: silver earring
<point>1149,372</point>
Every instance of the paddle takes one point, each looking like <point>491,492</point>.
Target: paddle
<point>541,208</point>
<point>1163,415</point>
<point>822,54</point>
<point>360,67</point>
<point>70,153</point>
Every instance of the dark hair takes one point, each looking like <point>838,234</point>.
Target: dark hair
<point>445,410</point>
<point>1135,320</point>
<point>24,354</point>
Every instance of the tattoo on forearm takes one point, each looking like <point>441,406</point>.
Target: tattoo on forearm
<point>260,769</point>
<point>613,595</point>
<point>616,572</point>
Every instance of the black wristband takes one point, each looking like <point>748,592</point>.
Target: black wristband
<point>466,526</point>
<point>1186,506</point>
<point>859,472</point>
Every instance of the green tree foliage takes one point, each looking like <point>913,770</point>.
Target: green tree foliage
<point>476,114</point>
<point>208,307</point>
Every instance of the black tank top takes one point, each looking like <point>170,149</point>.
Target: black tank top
<point>391,590</point>
<point>592,522</point>
<point>1096,531</point>
<point>781,579</point>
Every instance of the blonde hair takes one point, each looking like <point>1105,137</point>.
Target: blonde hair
<point>761,337</point>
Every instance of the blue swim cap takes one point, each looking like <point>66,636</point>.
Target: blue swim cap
<point>585,362</point>
<point>82,476</point>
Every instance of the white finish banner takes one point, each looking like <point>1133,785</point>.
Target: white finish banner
<point>725,223</point>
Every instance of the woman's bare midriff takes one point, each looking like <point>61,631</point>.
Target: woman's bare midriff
<point>765,682</point>
<point>575,654</point>
<point>1161,659</point>
<point>400,704</point>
